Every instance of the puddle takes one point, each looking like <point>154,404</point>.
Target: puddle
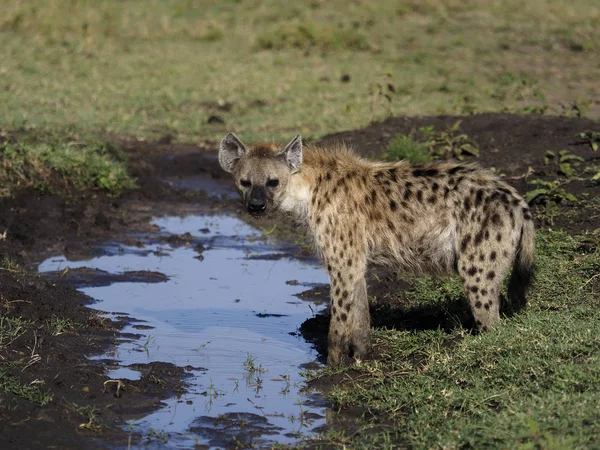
<point>230,317</point>
<point>124,373</point>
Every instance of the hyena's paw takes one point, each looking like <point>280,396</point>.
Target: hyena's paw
<point>348,350</point>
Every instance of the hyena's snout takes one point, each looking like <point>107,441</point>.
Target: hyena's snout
<point>256,203</point>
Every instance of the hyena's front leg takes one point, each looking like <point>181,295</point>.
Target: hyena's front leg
<point>350,320</point>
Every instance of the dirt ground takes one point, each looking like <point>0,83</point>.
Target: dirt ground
<point>84,413</point>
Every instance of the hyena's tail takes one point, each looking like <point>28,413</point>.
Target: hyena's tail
<point>523,273</point>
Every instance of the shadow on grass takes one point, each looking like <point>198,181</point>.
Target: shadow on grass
<point>448,314</point>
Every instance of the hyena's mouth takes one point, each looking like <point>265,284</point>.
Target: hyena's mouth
<point>257,213</point>
<point>257,210</point>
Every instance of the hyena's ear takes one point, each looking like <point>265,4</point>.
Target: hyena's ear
<point>230,151</point>
<point>293,153</point>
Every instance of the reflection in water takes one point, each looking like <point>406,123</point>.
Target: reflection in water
<point>230,316</point>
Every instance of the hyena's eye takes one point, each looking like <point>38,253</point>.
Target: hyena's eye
<point>273,183</point>
<point>245,183</point>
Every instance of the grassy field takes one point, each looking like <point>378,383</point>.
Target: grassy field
<point>532,383</point>
<point>271,69</point>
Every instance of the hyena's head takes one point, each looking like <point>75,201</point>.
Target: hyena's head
<point>262,172</point>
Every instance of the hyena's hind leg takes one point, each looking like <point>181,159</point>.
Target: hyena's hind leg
<point>483,271</point>
<point>360,343</point>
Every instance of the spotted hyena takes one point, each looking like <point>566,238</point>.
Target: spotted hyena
<point>436,218</point>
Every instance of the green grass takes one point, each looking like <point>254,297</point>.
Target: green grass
<point>271,69</point>
<point>404,147</point>
<point>30,392</point>
<point>530,383</point>
<point>12,328</point>
<point>61,163</point>
<point>59,325</point>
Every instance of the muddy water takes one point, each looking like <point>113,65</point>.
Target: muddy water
<point>228,312</point>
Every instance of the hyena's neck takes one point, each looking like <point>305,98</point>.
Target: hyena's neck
<point>297,200</point>
<point>319,165</point>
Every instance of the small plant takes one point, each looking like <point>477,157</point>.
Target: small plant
<point>592,138</point>
<point>497,171</point>
<point>92,414</point>
<point>286,389</point>
<point>450,143</point>
<point>594,141</point>
<point>249,363</point>
<point>11,266</point>
<point>96,320</point>
<point>145,346</point>
<point>548,191</point>
<point>257,383</point>
<point>201,346</point>
<point>157,380</point>
<point>404,147</point>
<point>59,325</point>
<point>251,367</point>
<point>147,343</point>
<point>564,160</point>
<point>11,329</point>
<point>160,435</point>
<point>212,392</point>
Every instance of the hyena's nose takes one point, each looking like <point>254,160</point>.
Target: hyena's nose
<point>256,206</point>
<point>258,201</point>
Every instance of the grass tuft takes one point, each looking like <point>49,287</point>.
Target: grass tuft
<point>30,392</point>
<point>58,163</point>
<point>404,147</point>
<point>11,328</point>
